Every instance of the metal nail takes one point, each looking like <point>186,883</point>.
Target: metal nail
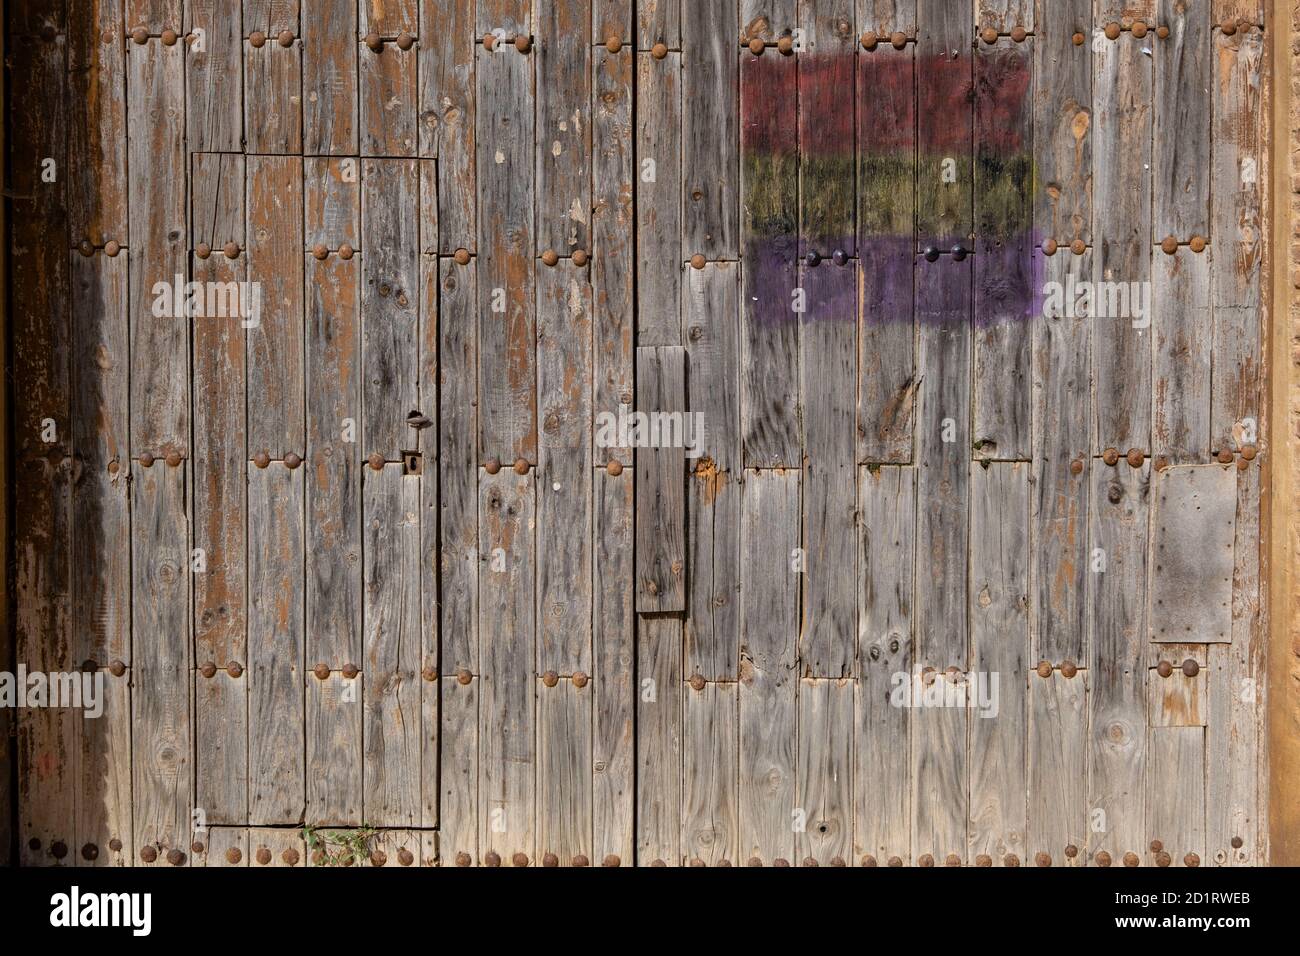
<point>405,41</point>
<point>208,670</point>
<point>659,51</point>
<point>263,856</point>
<point>350,670</point>
<point>149,854</point>
<point>1135,457</point>
<point>257,38</point>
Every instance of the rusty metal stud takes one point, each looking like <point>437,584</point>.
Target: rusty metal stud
<point>840,257</point>
<point>233,856</point>
<point>169,37</point>
<point>405,41</point>
<point>1224,457</point>
<point>1044,669</point>
<point>983,860</point>
<point>1049,247</point>
<point>550,257</point>
<point>376,462</point>
<point>345,251</point>
<point>1191,668</point>
<point>208,670</point>
<point>376,44</point>
<point>580,679</point>
<point>322,671</point>
<point>1078,247</point>
<point>519,859</point>
<point>757,46</point>
<point>1135,457</point>
<point>697,682</point>
<point>1112,30</point>
<point>231,249</point>
<point>1042,859</point>
<point>1131,859</point>
<point>463,676</point>
<point>1237,843</point>
<point>869,40</point>
<point>1197,243</point>
<point>895,861</point>
<point>489,41</point>
<point>1071,851</point>
<point>175,857</point>
<point>463,859</point>
<point>292,460</point>
<point>1242,464</point>
<point>149,854</point>
<point>926,860</point>
<point>835,861</point>
<point>234,669</point>
<point>698,261</point>
<point>614,468</point>
<point>1169,245</point>
<point>1229,27</point>
<point>117,668</point>
<point>1139,29</point>
<point>1078,39</point>
<point>261,459</point>
<point>659,51</point>
<point>523,44</point>
<point>1163,859</point>
<point>521,466</point>
<point>867,860</point>
<point>1069,669</point>
<point>86,248</point>
<point>320,250</point>
<point>115,845</point>
<point>899,40</point>
<point>1076,466</point>
<point>1018,34</point>
<point>405,857</point>
<point>90,852</point>
<point>318,857</point>
<point>808,861</point>
<point>173,459</point>
<point>1249,452</point>
<point>263,856</point>
<point>659,863</point>
<point>461,256</point>
<point>430,674</point>
<point>1164,668</point>
<point>550,678</point>
<point>581,861</point>
<point>1103,859</point>
<point>550,859</point>
<point>112,248</point>
<point>114,467</point>
<point>989,36</point>
<point>1192,860</point>
<point>1162,33</point>
<point>931,254</point>
<point>1110,456</point>
<point>58,849</point>
<point>350,670</point>
<point>141,36</point>
<point>1011,860</point>
<point>611,860</point>
<point>1157,846</point>
<point>785,46</point>
<point>257,38</point>
<point>580,257</point>
<point>34,844</point>
<point>203,250</point>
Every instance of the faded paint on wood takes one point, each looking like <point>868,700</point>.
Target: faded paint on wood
<point>945,127</point>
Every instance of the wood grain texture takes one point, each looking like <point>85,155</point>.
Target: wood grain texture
<point>273,97</point>
<point>447,91</point>
<point>661,481</point>
<point>1181,170</point>
<point>1063,120</point>
<point>1183,333</point>
<point>564,777</point>
<point>710,131</point>
<point>659,200</point>
<point>329,63</point>
<point>563,74</point>
<point>388,95</point>
<point>710,765</point>
<point>824,784</point>
<point>1058,724</point>
<point>1193,525</point>
<point>659,740</point>
<point>945,130</point>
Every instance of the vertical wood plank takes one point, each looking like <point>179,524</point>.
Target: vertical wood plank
<point>658,21</point>
<point>214,77</point>
<point>1183,330</point>
<point>104,804</point>
<point>514,17</point>
<point>659,740</point>
<point>710,177</point>
<point>334,760</point>
<point>221,738</point>
<point>767,20</point>
<point>269,16</point>
<point>1181,170</point>
<point>458,777</point>
<point>273,96</point>
<point>1063,121</point>
<point>885,17</point>
<point>659,198</point>
<point>96,172</point>
<point>827,117</point>
<point>563,74</point>
<point>1058,775</point>
<point>564,778</point>
<point>1005,15</point>
<point>945,172</point>
<point>447,116</point>
<point>825,777</point>
<point>1176,794</point>
<point>661,481</point>
<point>329,64</point>
<point>709,766</point>
<point>389,18</point>
<point>388,96</point>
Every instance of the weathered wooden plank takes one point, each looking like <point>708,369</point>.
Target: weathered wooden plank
<point>389,18</point>
<point>1062,447</point>
<point>709,767</point>
<point>1005,15</point>
<point>827,119</point>
<point>331,203</point>
<point>420,458</point>
<point>271,16</point>
<point>222,847</point>
<point>659,740</point>
<point>334,753</point>
<point>661,480</point>
<point>886,17</point>
<point>613,618</point>
<point>513,17</point>
<point>658,199</point>
<point>276,418</point>
<point>397,848</point>
<point>390,304</point>
<point>1176,794</point>
<point>1235,210</point>
<point>160,349</point>
<point>564,521</point>
<point>273,97</point>
<point>161,799</point>
<point>104,785</point>
<point>564,778</point>
<point>96,163</point>
<point>943,443</point>
<point>886,561</point>
<point>939,780</point>
<point>507,714</point>
<point>1119,507</point>
<point>710,131</point>
<point>994,686</point>
<point>458,770</point>
<point>945,173</point>
<point>1125,12</point>
<point>1005,279</point>
<point>612,18</point>
<point>1183,330</point>
<point>1181,170</point>
<point>769,186</point>
<point>1177,699</point>
<point>564,146</point>
<point>828,381</point>
<point>214,77</point>
<point>658,21</point>
<point>886,130</point>
<point>507,326</point>
<point>1058,756</point>
<point>220,423</point>
<point>458,469</point>
<point>276,644</point>
<point>824,799</point>
<point>1239,12</point>
<point>1062,122</point>
<point>221,738</point>
<point>711,323</point>
<point>389,97</point>
<point>391,616</point>
<point>329,90</point>
<point>277,847</point>
<point>770,625</point>
<point>1192,544</point>
<point>447,116</point>
<point>154,15</point>
<point>767,20</point>
<point>1122,95</point>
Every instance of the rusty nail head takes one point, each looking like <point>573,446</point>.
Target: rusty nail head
<point>257,38</point>
<point>1103,859</point>
<point>375,43</point>
<point>234,855</point>
<point>1225,457</point>
<point>1112,30</point>
<point>613,44</point>
<point>86,248</point>
<point>405,857</point>
<point>550,859</point>
<point>697,682</point>
<point>112,248</point>
<point>1169,245</point>
<point>1197,243</point>
<point>462,257</point>
<point>209,670</point>
<point>1192,860</point>
<point>983,860</point>
<point>579,258</point>
<point>807,861</point>
<point>659,51</point>
<point>149,854</point>
<point>345,251</point>
<point>320,250</point>
<point>90,852</point>
<point>1229,27</point>
<point>292,460</point>
<point>141,36</point>
<point>521,466</point>
<point>405,41</point>
<point>169,37</point>
<point>867,860</point>
<point>146,459</point>
<point>785,45</point>
<point>198,847</point>
<point>175,857</point>
<point>430,674</point>
<point>1237,843</point>
<point>1078,39</point>
<point>1249,452</point>
<point>1044,669</point>
<point>1131,859</point>
<point>203,250</point>
<point>550,257</point>
<point>34,844</point>
<point>58,849</point>
<point>1076,467</point>
<point>614,468</point>
<point>1078,247</point>
<point>1110,456</point>
<point>1242,464</point>
<point>1191,668</point>
<point>489,41</point>
<point>926,860</point>
<point>117,668</point>
<point>1071,851</point>
<point>350,670</point>
<point>1135,457</point>
<point>550,678</point>
<point>1019,34</point>
<point>698,261</point>
<point>263,855</point>
<point>115,845</point>
<point>1069,669</point>
<point>1139,29</point>
<point>463,676</point>
<point>580,679</point>
<point>1042,859</point>
<point>1157,846</point>
<point>899,40</point>
<point>376,462</point>
<point>463,859</point>
<point>492,466</point>
<point>757,46</point>
<point>519,859</point>
<point>523,44</point>
<point>581,861</point>
<point>234,669</point>
<point>658,863</point>
<point>1164,668</point>
<point>1011,860</point>
<point>989,35</point>
<point>262,459</point>
<point>1163,859</point>
<point>869,40</point>
<point>231,249</point>
<point>1049,247</point>
<point>174,459</point>
<point>835,861</point>
<point>1162,32</point>
<point>612,860</point>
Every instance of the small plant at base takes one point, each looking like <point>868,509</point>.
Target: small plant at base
<point>339,847</point>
